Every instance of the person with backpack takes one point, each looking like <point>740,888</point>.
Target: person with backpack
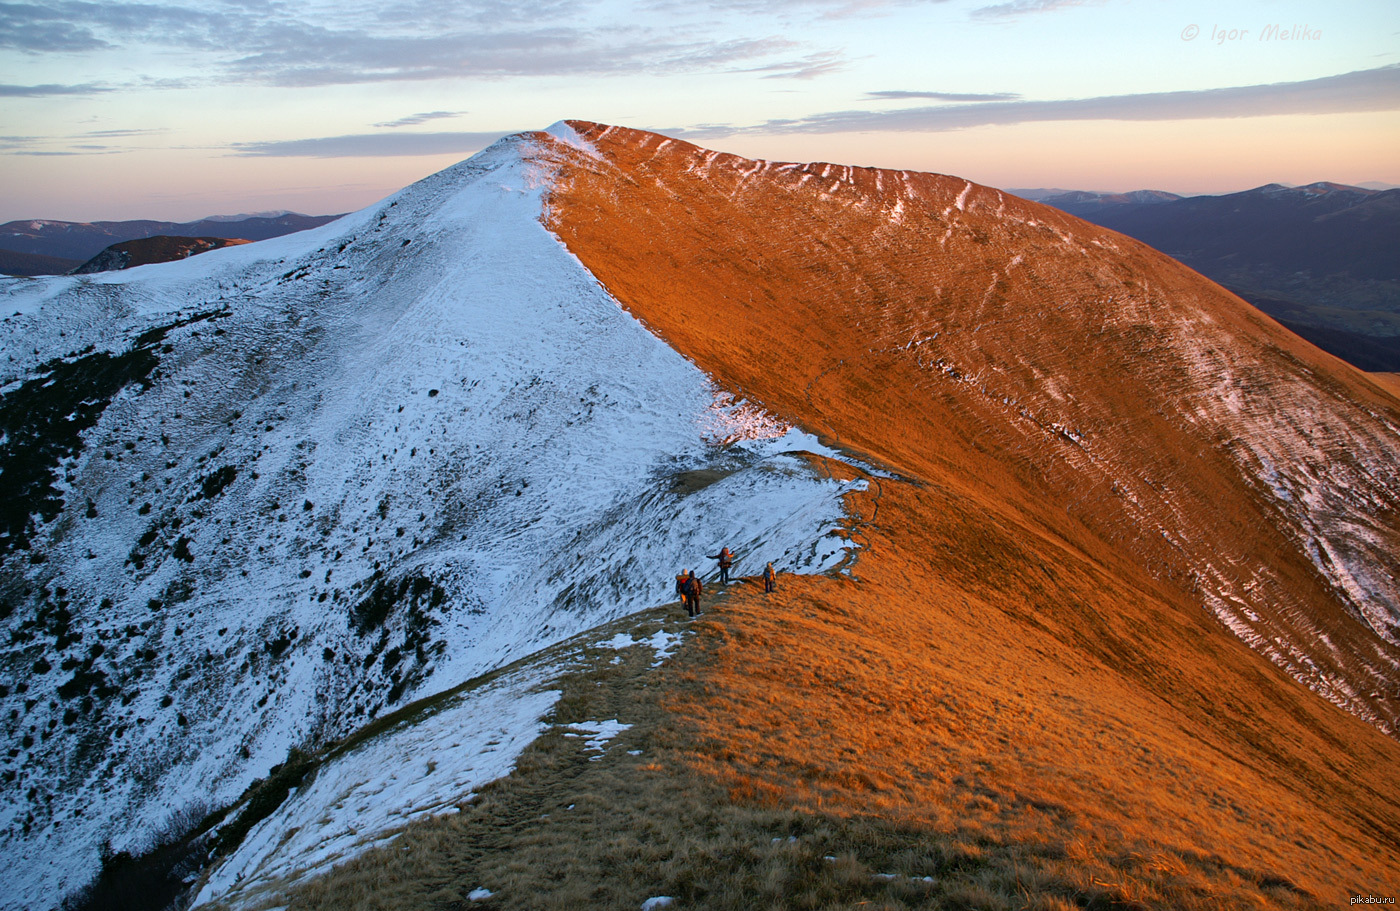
<point>693,591</point>
<point>726,560</point>
<point>680,586</point>
<point>770,579</point>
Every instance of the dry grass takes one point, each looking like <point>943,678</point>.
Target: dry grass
<point>755,820</point>
<point>1390,382</point>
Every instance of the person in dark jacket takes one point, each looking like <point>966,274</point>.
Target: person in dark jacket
<point>770,579</point>
<point>683,578</point>
<point>693,591</point>
<point>726,560</point>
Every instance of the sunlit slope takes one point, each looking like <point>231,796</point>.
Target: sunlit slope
<point>1113,476</point>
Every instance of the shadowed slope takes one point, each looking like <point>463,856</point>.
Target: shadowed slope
<point>1094,444</point>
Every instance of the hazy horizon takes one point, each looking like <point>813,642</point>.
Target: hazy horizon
<point>216,216</point>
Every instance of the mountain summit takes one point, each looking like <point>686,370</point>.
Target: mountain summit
<point>1083,528</point>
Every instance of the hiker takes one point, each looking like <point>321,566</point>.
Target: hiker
<point>770,579</point>
<point>693,591</point>
<point>726,560</point>
<point>681,580</point>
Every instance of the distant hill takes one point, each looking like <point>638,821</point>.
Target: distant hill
<point>1376,354</point>
<point>1075,201</point>
<point>1038,194</point>
<point>147,250</point>
<point>1321,255</point>
<point>12,263</point>
<point>82,241</point>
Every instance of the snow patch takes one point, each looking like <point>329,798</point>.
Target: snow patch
<point>598,733</point>
<point>364,797</point>
<point>565,133</point>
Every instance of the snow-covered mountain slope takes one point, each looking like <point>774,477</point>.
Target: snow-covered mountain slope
<point>429,762</point>
<point>256,498</point>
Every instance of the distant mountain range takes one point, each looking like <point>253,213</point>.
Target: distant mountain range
<point>1321,258</point>
<point>77,242</point>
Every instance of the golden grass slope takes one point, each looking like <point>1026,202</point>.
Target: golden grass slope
<point>666,810</point>
<point>1030,643</point>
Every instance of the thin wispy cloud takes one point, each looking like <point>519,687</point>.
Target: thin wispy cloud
<point>50,89</point>
<point>809,67</point>
<point>114,134</point>
<point>896,95</point>
<point>1017,8</point>
<point>1365,90</point>
<point>89,142</point>
<point>415,119</point>
<point>48,147</point>
<point>369,145</point>
<point>824,9</point>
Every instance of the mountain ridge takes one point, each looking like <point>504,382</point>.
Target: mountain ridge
<point>1021,693</point>
<point>1083,529</point>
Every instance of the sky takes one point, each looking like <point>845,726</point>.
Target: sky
<point>180,109</point>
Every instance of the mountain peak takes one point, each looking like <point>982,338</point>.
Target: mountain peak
<point>1319,188</point>
<point>366,461</point>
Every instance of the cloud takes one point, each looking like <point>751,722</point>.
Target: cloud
<point>35,29</point>
<point>415,119</point>
<point>42,91</point>
<point>1021,7</point>
<point>943,96</point>
<point>368,145</point>
<point>1364,90</point>
<point>44,147</point>
<point>824,9</point>
<point>312,56</point>
<point>809,67</point>
<point>118,134</point>
<point>91,142</point>
<point>272,42</point>
<point>82,25</point>
<point>490,14</point>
